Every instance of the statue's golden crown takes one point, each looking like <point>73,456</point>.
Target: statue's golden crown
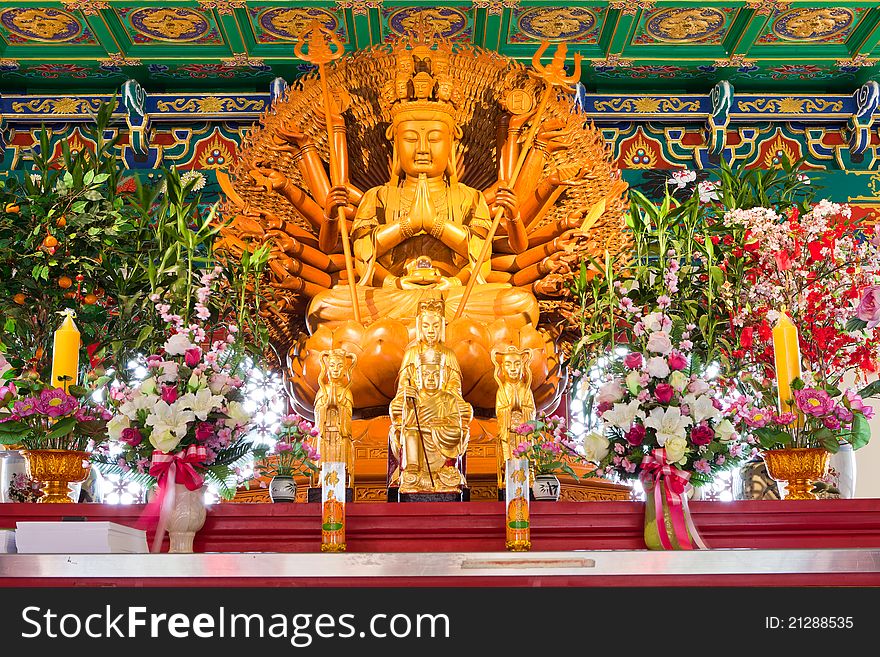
<point>435,306</point>
<point>421,82</point>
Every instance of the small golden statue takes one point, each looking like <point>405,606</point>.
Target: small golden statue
<point>514,403</point>
<point>333,410</point>
<point>429,431</point>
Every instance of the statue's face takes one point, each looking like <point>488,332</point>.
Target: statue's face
<point>512,367</point>
<point>430,377</point>
<point>423,147</point>
<point>335,367</point>
<point>430,326</point>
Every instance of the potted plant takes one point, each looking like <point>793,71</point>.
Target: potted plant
<point>797,445</point>
<point>55,429</point>
<point>550,450</point>
<point>291,456</point>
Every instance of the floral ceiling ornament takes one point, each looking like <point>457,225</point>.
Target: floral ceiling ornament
<point>859,61</point>
<point>223,7</point>
<point>119,59</point>
<point>87,7</point>
<point>630,7</point>
<point>737,60</point>
<point>495,7</point>
<point>242,60</point>
<point>767,7</point>
<point>612,61</point>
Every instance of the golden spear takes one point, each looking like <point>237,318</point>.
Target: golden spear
<point>553,76</point>
<point>319,39</point>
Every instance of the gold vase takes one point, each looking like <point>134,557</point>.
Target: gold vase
<point>55,469</point>
<point>798,467</point>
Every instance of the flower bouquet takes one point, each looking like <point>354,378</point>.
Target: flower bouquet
<point>291,456</point>
<point>550,449</point>
<point>185,422</point>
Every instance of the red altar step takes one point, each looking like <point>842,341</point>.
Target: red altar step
<point>479,526</point>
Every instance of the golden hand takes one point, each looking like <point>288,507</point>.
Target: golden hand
<point>336,198</point>
<point>506,199</point>
<point>270,179</point>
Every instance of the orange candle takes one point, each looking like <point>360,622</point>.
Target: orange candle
<point>787,356</point>
<point>65,354</point>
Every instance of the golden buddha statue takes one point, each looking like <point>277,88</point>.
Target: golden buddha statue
<point>514,403</point>
<point>333,410</point>
<point>429,431</point>
<point>423,137</point>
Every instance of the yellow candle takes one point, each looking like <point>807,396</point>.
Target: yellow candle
<point>65,354</point>
<point>787,354</point>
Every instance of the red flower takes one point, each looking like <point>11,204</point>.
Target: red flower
<point>702,434</point>
<point>664,393</point>
<point>783,261</point>
<point>636,435</point>
<point>747,337</point>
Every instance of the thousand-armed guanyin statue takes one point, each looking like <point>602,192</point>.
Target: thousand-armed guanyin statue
<point>425,171</point>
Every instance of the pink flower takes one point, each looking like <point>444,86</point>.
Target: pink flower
<point>756,417</point>
<point>131,436</point>
<point>702,434</point>
<point>169,394</point>
<point>869,306</point>
<point>664,302</point>
<point>785,418</point>
<point>832,422</point>
<point>702,466</point>
<point>619,448</point>
<point>629,467</point>
<point>664,393</point>
<point>659,343</point>
<point>56,402</point>
<point>858,405</point>
<point>844,414</point>
<point>677,361</point>
<point>633,360</point>
<point>610,392</point>
<point>736,450</point>
<point>720,459</point>
<point>636,435</point>
<point>601,408</point>
<point>283,447</point>
<point>813,402</point>
<point>192,357</point>
<point>204,431</point>
<point>25,407</point>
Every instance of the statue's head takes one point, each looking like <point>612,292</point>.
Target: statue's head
<point>512,364</point>
<point>423,144</point>
<point>336,363</point>
<point>430,322</point>
<point>430,376</point>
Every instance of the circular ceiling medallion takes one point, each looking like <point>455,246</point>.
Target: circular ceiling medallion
<point>683,24</point>
<point>170,23</point>
<point>811,24</point>
<point>288,23</point>
<point>37,24</point>
<point>557,23</point>
<point>441,21</point>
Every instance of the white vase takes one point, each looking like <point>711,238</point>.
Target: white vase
<point>282,489</point>
<point>842,471</point>
<point>187,517</point>
<point>546,488</point>
<point>11,464</point>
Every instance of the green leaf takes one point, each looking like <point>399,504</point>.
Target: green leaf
<point>870,390</point>
<point>13,427</point>
<point>855,324</point>
<point>62,428</point>
<point>861,431</point>
<point>797,384</point>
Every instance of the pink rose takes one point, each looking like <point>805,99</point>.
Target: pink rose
<point>659,343</point>
<point>664,393</point>
<point>633,360</point>
<point>169,394</point>
<point>869,306</point>
<point>702,434</point>
<point>192,357</point>
<point>131,436</point>
<point>677,361</point>
<point>610,392</point>
<point>635,435</point>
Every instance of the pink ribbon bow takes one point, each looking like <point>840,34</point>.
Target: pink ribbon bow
<point>655,470</point>
<point>169,469</point>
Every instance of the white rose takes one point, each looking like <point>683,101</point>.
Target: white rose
<point>178,344</point>
<point>219,383</point>
<point>169,372</point>
<point>678,380</point>
<point>115,426</point>
<point>610,393</point>
<point>653,322</point>
<point>725,431</point>
<point>148,386</point>
<point>698,387</point>
<point>596,447</point>
<point>658,367</point>
<point>659,343</point>
<point>676,448</point>
<point>633,381</point>
<point>237,415</point>
<point>164,439</point>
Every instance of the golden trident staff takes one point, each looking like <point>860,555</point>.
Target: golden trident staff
<point>553,76</point>
<point>319,40</point>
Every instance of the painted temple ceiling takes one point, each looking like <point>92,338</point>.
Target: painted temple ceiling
<point>632,45</point>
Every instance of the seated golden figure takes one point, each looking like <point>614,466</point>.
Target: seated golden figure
<point>429,431</point>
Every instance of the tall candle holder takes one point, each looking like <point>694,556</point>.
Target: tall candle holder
<point>333,507</point>
<point>516,493</point>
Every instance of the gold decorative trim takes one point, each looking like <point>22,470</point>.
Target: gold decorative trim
<point>861,60</point>
<point>790,105</point>
<point>223,7</point>
<point>630,7</point>
<point>58,106</point>
<point>242,59</point>
<point>738,60</point>
<point>767,7</point>
<point>86,7</point>
<point>495,7</point>
<point>612,61</point>
<point>211,105</point>
<point>647,105</point>
<point>119,59</point>
<point>358,7</point>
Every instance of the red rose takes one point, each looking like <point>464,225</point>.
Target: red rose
<point>747,337</point>
<point>702,434</point>
<point>204,431</point>
<point>677,361</point>
<point>633,360</point>
<point>636,435</point>
<point>664,393</point>
<point>192,356</point>
<point>131,436</point>
<point>169,394</point>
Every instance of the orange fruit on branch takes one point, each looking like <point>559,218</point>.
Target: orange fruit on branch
<point>13,208</point>
<point>19,299</point>
<point>64,282</point>
<point>90,299</point>
<point>50,241</point>
<point>61,222</point>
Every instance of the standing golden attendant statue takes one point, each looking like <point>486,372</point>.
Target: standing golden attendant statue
<point>457,175</point>
<point>514,403</point>
<point>333,410</point>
